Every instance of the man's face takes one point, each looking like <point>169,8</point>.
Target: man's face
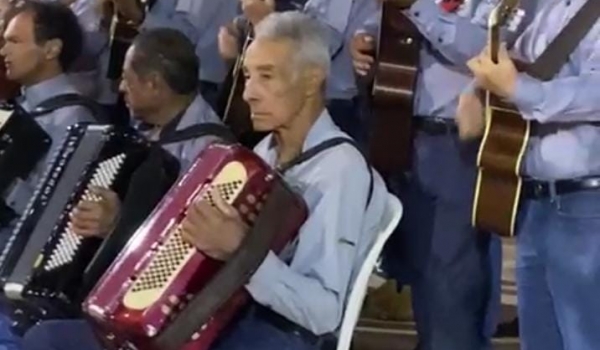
<point>23,57</point>
<point>274,91</point>
<point>140,94</point>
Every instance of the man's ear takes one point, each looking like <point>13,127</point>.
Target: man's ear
<point>155,82</point>
<point>53,48</point>
<point>314,80</point>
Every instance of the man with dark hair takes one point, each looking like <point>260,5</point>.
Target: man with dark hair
<point>160,86</point>
<point>41,41</point>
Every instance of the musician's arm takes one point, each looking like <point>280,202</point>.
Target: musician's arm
<point>566,99</point>
<point>457,37</point>
<point>311,291</point>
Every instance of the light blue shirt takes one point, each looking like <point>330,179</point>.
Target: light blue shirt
<point>54,123</point>
<point>451,40</point>
<point>336,16</point>
<point>573,96</point>
<point>164,14</point>
<point>311,290</point>
<point>208,17</point>
<point>198,112</point>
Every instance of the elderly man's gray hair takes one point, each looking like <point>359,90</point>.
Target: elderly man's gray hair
<point>307,35</point>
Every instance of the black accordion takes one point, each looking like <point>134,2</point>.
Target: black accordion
<point>44,263</point>
<point>23,144</point>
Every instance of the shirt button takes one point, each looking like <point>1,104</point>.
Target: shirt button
<point>416,13</point>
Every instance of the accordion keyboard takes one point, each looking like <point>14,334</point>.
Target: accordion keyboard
<point>174,253</point>
<point>69,242</point>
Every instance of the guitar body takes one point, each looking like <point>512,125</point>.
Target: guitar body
<point>393,92</point>
<point>499,161</point>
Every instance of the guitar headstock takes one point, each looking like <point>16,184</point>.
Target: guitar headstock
<point>505,14</point>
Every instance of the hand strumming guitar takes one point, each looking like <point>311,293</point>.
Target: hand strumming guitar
<point>362,49</point>
<point>470,117</point>
<point>498,78</point>
<point>256,10</point>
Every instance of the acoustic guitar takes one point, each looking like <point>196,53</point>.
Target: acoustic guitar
<point>505,139</point>
<point>393,91</point>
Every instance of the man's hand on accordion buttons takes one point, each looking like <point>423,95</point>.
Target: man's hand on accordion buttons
<point>96,218</point>
<point>216,231</point>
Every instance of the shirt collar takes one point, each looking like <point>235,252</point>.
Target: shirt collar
<point>40,92</point>
<point>322,129</point>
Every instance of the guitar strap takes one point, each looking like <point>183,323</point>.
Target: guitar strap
<point>558,51</point>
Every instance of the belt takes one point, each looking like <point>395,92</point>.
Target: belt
<point>435,126</point>
<point>534,189</point>
<point>285,325</point>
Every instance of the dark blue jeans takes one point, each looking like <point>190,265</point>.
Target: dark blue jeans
<point>435,249</point>
<point>558,272</point>
<point>248,333</point>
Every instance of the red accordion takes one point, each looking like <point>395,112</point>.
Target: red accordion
<point>162,293</point>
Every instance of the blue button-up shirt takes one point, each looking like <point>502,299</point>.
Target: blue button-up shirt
<point>198,112</point>
<point>336,15</point>
<point>451,40</point>
<point>312,288</point>
<point>208,17</point>
<point>54,123</point>
<point>573,96</point>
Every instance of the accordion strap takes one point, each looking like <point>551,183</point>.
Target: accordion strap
<point>197,131</point>
<point>68,100</point>
<point>558,51</point>
<point>323,146</point>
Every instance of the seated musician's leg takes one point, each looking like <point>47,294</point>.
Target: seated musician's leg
<point>60,334</point>
<point>255,332</point>
<point>8,341</point>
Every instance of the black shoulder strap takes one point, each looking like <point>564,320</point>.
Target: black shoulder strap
<point>323,146</point>
<point>558,51</point>
<point>197,131</point>
<point>68,100</point>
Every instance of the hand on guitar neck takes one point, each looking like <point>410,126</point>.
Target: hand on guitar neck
<point>229,39</point>
<point>256,10</point>
<point>130,10</point>
<point>362,49</point>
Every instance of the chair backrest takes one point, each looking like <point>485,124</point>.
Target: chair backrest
<point>389,221</point>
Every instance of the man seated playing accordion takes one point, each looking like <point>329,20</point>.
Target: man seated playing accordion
<point>41,42</point>
<point>298,298</point>
<point>162,94</point>
<point>161,91</point>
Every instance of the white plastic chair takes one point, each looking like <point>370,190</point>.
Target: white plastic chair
<point>354,303</point>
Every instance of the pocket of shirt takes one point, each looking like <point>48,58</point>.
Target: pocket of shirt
<point>579,205</point>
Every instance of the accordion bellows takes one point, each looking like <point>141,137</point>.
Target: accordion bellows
<point>161,292</point>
